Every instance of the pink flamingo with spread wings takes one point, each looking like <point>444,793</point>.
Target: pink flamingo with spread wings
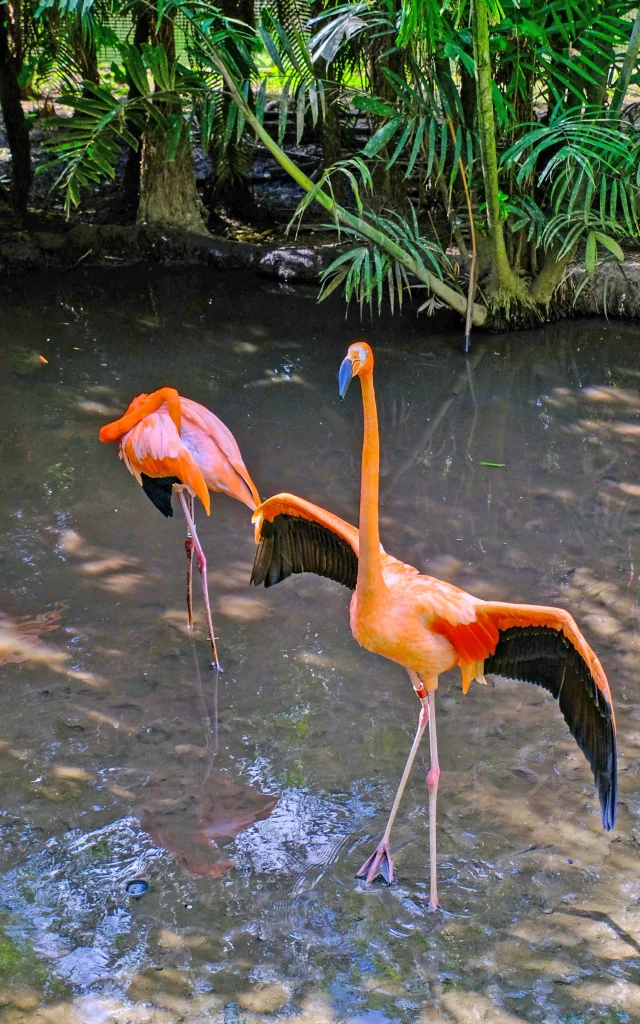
<point>169,443</point>
<point>429,626</point>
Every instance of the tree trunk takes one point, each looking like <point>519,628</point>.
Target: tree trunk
<point>628,65</point>
<point>168,193</point>
<point>506,287</point>
<point>330,127</point>
<point>330,124</point>
<point>389,190</point>
<point>228,185</point>
<point>131,178</point>
<point>545,284</point>
<point>468,98</point>
<point>14,120</point>
<point>84,50</point>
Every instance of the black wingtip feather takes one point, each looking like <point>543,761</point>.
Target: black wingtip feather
<point>159,490</point>
<point>290,544</point>
<point>546,657</point>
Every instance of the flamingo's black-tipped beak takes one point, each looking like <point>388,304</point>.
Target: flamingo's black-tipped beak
<point>345,376</point>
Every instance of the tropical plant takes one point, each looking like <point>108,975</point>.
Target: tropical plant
<point>498,149</point>
<point>167,102</point>
<point>567,179</point>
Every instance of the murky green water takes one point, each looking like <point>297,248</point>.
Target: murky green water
<point>247,803</point>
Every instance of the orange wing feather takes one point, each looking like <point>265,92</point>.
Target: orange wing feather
<point>476,641</point>
<point>217,453</point>
<point>290,504</point>
<point>154,448</point>
<point>505,616</point>
<point>294,536</point>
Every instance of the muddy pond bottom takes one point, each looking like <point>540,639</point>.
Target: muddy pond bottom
<point>180,846</point>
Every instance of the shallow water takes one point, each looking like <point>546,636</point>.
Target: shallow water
<point>247,803</point>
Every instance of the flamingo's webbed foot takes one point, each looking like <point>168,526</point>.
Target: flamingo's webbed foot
<point>379,863</point>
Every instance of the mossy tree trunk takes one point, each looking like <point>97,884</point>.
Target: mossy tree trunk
<point>14,120</point>
<point>168,193</point>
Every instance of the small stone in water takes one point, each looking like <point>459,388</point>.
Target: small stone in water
<point>138,887</point>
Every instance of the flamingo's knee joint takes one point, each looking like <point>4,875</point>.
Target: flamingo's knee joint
<point>432,779</point>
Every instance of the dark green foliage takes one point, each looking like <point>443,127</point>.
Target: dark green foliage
<point>538,165</point>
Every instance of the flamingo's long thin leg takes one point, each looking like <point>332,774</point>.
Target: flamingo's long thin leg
<point>380,862</point>
<point>432,786</point>
<point>202,566</point>
<point>188,544</point>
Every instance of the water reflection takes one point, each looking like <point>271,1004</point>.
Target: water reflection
<point>247,807</point>
<point>20,635</point>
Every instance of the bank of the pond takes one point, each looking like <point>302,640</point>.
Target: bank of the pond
<point>613,290</point>
<point>109,245</point>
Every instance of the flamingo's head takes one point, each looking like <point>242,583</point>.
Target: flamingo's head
<point>358,361</point>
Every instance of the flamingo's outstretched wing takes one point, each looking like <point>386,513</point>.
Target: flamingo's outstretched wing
<point>544,646</point>
<point>293,536</point>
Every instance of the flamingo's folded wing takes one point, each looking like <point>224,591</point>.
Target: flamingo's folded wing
<point>294,536</point>
<point>214,434</point>
<point>154,449</point>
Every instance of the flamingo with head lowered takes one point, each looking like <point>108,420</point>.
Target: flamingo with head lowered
<point>170,443</point>
<point>430,626</point>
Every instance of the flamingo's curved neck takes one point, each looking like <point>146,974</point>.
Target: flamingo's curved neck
<point>370,581</point>
<point>114,431</point>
